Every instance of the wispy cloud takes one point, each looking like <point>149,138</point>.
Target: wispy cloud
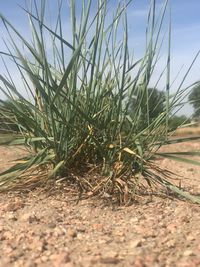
<point>139,13</point>
<point>194,27</point>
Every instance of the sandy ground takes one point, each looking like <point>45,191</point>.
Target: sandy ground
<point>42,229</point>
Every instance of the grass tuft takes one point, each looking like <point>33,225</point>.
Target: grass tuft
<point>79,120</point>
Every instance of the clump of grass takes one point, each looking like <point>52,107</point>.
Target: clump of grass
<point>77,119</point>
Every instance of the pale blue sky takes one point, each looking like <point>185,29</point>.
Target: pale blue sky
<point>185,32</point>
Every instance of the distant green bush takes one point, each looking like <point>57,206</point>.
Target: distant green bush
<point>7,119</point>
<point>177,121</point>
<point>194,99</point>
<point>149,104</point>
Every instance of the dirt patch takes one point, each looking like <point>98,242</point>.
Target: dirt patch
<point>8,155</point>
<point>195,130</point>
<point>39,229</point>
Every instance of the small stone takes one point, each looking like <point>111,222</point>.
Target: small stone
<point>52,225</point>
<point>30,218</point>
<point>81,229</point>
<point>41,245</point>
<point>110,260</point>
<point>60,258</point>
<point>20,237</point>
<point>133,220</point>
<point>12,217</point>
<point>190,237</point>
<point>80,236</point>
<point>135,243</point>
<point>137,262</point>
<point>102,241</point>
<point>170,243</point>
<point>185,219</point>
<point>44,258</point>
<point>8,250</point>
<point>121,239</point>
<point>59,231</point>
<point>59,219</point>
<point>98,226</point>
<point>172,227</point>
<point>7,235</point>
<point>30,263</point>
<point>13,206</point>
<point>111,254</point>
<point>71,233</point>
<point>187,253</point>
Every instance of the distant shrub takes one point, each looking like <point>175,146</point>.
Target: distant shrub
<point>7,119</point>
<point>177,121</point>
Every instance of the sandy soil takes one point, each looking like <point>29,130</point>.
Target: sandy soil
<point>42,229</point>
